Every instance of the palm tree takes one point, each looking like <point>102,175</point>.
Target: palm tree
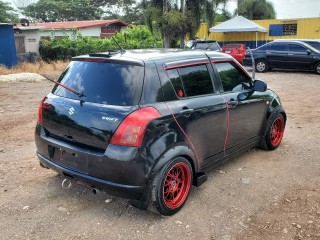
<point>256,9</point>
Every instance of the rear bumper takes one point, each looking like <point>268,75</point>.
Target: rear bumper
<point>116,189</point>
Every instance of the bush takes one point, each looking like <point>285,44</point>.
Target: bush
<point>67,47</point>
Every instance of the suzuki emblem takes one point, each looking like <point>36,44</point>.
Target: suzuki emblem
<point>71,111</point>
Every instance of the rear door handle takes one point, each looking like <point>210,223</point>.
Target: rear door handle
<point>186,112</point>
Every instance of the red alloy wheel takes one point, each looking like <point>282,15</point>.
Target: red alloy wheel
<point>276,131</point>
<point>176,185</point>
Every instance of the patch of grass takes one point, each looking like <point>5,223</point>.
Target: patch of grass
<point>40,67</point>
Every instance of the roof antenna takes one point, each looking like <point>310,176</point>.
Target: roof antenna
<point>122,50</point>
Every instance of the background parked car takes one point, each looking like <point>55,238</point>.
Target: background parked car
<point>289,54</point>
<point>312,42</point>
<point>236,50</point>
<point>210,45</point>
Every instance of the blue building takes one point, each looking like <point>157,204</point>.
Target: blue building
<point>8,56</point>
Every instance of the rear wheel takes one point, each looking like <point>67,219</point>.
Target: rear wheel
<point>171,186</point>
<point>274,133</point>
<point>261,66</point>
<point>317,68</point>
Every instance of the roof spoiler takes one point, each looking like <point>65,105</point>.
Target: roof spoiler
<point>253,63</point>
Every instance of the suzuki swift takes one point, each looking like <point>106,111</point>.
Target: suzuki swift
<point>148,124</point>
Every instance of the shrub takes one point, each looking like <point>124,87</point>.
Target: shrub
<point>66,47</point>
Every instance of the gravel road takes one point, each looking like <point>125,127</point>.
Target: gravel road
<point>258,195</point>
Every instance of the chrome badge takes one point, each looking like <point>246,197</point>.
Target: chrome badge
<point>71,111</point>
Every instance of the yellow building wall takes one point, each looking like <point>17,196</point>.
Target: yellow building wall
<point>307,28</point>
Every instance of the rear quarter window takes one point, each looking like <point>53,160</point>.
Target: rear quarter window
<point>106,83</point>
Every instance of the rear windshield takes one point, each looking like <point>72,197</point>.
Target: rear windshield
<point>212,46</point>
<point>100,82</point>
<point>232,46</point>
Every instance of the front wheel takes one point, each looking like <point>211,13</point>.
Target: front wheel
<point>274,133</point>
<point>171,186</point>
<point>317,68</point>
<point>261,66</point>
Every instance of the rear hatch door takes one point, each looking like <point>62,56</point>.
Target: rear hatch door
<point>87,124</point>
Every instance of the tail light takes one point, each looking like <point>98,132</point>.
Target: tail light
<point>131,131</point>
<point>42,106</point>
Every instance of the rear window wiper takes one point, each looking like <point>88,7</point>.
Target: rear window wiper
<point>79,94</point>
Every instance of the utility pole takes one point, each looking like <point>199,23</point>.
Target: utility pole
<point>165,33</point>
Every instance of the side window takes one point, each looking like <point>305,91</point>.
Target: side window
<point>297,48</point>
<point>191,81</point>
<point>196,80</point>
<point>152,91</point>
<point>176,82</point>
<point>233,79</point>
<point>264,48</point>
<point>279,47</point>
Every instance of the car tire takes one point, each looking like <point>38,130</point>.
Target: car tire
<point>261,66</point>
<point>317,68</point>
<point>171,186</point>
<point>274,132</point>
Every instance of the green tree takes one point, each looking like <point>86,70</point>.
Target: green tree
<point>62,10</point>
<point>256,9</point>
<point>7,13</point>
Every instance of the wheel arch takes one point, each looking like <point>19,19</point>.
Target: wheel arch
<point>315,65</point>
<point>176,151</point>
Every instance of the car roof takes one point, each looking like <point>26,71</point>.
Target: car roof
<point>140,56</point>
<point>301,40</point>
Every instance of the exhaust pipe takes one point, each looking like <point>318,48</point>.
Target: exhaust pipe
<point>95,190</point>
<point>66,183</point>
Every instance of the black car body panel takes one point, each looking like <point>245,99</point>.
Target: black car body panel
<point>206,111</point>
<point>286,55</point>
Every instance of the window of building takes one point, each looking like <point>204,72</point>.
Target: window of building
<point>283,29</point>
<point>289,29</point>
<point>233,79</point>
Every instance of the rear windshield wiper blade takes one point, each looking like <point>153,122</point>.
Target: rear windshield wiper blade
<point>79,94</point>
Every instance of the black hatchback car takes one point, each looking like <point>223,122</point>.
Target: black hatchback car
<point>285,55</point>
<point>148,124</point>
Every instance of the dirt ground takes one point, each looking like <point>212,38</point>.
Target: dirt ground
<point>258,195</point>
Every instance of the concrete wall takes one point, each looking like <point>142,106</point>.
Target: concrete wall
<point>87,32</point>
<point>31,40</point>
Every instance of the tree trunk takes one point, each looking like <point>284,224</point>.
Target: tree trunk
<point>182,34</point>
<point>166,40</point>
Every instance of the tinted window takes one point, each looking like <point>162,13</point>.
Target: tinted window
<point>316,45</point>
<point>264,47</point>
<point>196,80</point>
<point>152,91</point>
<point>176,82</point>
<point>113,84</point>
<point>278,47</point>
<point>212,46</point>
<point>233,79</point>
<point>297,48</point>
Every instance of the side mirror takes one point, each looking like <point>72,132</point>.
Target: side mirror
<point>308,52</point>
<point>259,86</point>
